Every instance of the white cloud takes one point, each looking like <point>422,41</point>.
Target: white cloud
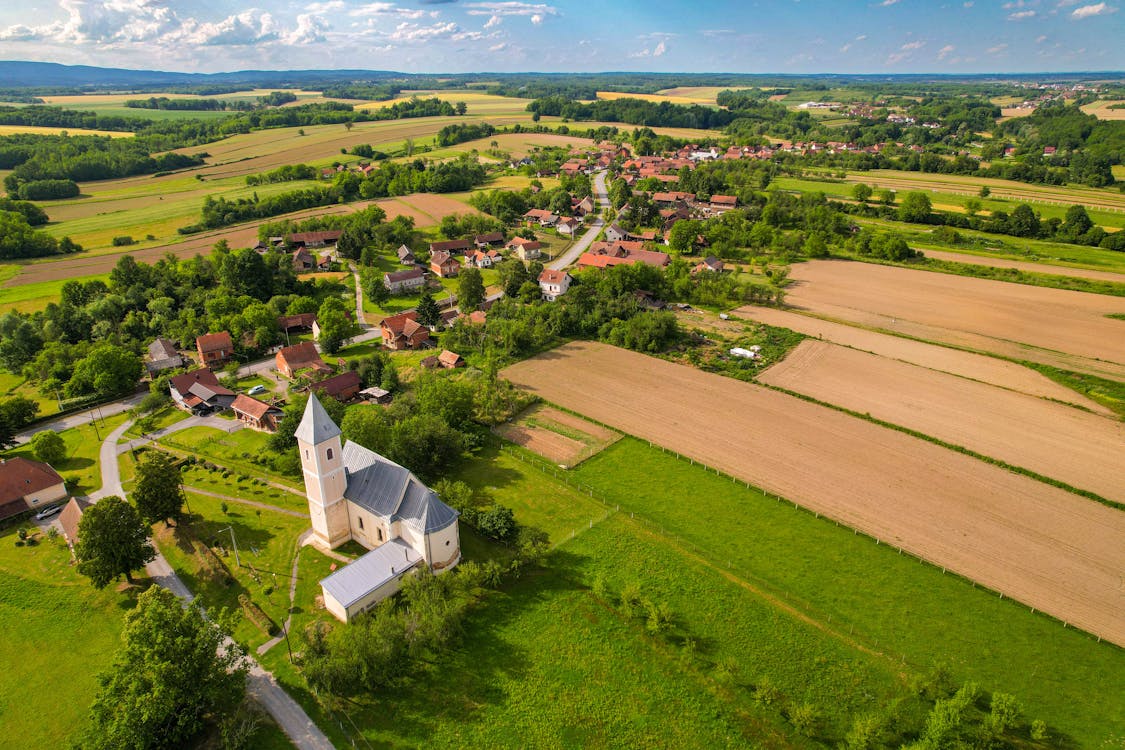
<point>1086,11</point>
<point>967,4</point>
<point>919,44</point>
<point>1041,38</point>
<point>310,29</point>
<point>659,50</point>
<point>849,45</point>
<point>1021,15</point>
<point>498,47</point>
<point>325,6</point>
<point>412,32</point>
<point>535,12</point>
<point>997,50</point>
<point>885,3</point>
<point>386,9</point>
<point>251,26</point>
<point>945,51</point>
<point>494,22</point>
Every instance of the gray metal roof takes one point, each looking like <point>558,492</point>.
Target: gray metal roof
<point>316,426</point>
<point>391,492</point>
<point>359,578</point>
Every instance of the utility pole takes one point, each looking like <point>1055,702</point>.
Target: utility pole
<point>94,424</point>
<point>234,542</point>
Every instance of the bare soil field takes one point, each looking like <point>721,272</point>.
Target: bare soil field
<point>426,209</point>
<point>1053,440</point>
<point>1061,328</point>
<point>980,367</point>
<point>1024,265</point>
<point>1102,111</point>
<point>1043,546</point>
<point>561,438</point>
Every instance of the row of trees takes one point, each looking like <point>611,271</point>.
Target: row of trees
<point>18,239</point>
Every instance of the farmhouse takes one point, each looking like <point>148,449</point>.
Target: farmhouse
<point>451,247</point>
<point>554,284</point>
<point>491,239</point>
<point>524,248</point>
<point>541,217</point>
<point>354,494</point>
<point>568,226</point>
<point>708,264</point>
<point>199,392</point>
<point>342,387</point>
<point>69,519</point>
<point>482,259</point>
<point>605,254</point>
<point>403,331</point>
<point>300,356</point>
<point>162,355</point>
<point>404,281</point>
<point>26,485</point>
<point>615,233</point>
<point>314,239</point>
<point>298,322</point>
<point>722,203</point>
<point>442,264</point>
<point>254,413</point>
<point>303,260</point>
<point>405,255</point>
<point>214,348</point>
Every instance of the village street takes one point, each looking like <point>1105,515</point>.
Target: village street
<point>575,252</point>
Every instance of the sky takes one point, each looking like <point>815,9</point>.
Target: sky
<point>452,36</point>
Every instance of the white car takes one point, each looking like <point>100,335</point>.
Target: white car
<point>48,512</point>
<point>256,390</point>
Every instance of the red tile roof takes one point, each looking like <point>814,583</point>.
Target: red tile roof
<point>552,276</point>
<point>21,476</point>
<point>213,342</point>
<point>450,359</point>
<point>334,386</point>
<point>251,406</point>
<point>183,383</point>
<point>300,356</point>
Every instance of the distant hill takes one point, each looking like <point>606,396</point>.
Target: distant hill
<point>21,74</point>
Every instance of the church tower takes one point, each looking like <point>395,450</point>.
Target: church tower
<point>318,439</point>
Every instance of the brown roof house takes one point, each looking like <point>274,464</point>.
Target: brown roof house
<point>398,282</point>
<point>342,387</point>
<point>443,264</point>
<point>710,263</point>
<point>405,255</point>
<point>215,349</point>
<point>297,322</point>
<point>162,355</point>
<point>300,356</point>
<point>450,360</point>
<point>70,517</point>
<point>257,414</point>
<point>26,485</point>
<point>451,246</point>
<point>524,248</point>
<point>199,391</point>
<point>403,331</point>
<point>554,284</point>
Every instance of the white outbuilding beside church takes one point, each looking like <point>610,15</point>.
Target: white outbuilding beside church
<point>356,494</point>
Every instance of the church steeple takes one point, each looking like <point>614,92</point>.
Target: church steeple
<point>318,440</point>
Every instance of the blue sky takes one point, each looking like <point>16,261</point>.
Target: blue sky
<point>788,36</point>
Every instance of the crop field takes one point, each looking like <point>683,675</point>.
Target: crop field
<point>1041,545</point>
<point>1101,110</point>
<point>518,145</point>
<point>1023,265</point>
<point>38,130</point>
<point>1054,440</point>
<point>561,438</point>
<point>964,364</point>
<point>699,94</point>
<point>114,104</point>
<point>1056,327</point>
<point>657,98</point>
<point>479,104</point>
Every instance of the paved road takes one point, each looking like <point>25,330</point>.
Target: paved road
<point>82,417</point>
<point>576,250</point>
<point>288,714</point>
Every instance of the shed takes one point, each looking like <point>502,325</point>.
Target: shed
<point>360,585</point>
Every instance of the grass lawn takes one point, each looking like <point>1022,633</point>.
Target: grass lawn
<point>32,297</point>
<point>17,385</point>
<point>59,632</point>
<point>266,545</point>
<point>235,450</point>
<point>80,469</point>
<point>165,417</point>
<point>894,603</point>
<point>241,486</point>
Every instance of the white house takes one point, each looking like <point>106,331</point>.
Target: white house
<point>554,283</point>
<point>356,494</point>
<point>404,281</point>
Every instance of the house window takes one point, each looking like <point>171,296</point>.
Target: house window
<point>329,454</point>
<point>306,453</point>
<point>446,542</point>
<point>361,523</point>
<point>380,534</point>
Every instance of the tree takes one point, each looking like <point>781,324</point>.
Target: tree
<point>332,319</point>
<point>862,192</point>
<point>112,541</point>
<point>284,438</point>
<point>815,246</point>
<point>428,313</point>
<point>377,291</point>
<point>1077,222</point>
<point>985,191</point>
<point>244,272</point>
<point>470,290</point>
<point>108,370</point>
<point>48,447</point>
<point>1023,222</point>
<point>174,671</point>
<point>16,412</point>
<point>887,197</point>
<point>915,207</point>
<point>681,237</point>
<point>972,206</point>
<point>159,495</point>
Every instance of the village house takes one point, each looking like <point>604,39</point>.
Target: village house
<point>451,247</point>
<point>403,331</point>
<point>199,392</point>
<point>450,360</point>
<point>583,207</point>
<point>297,322</point>
<point>710,264</point>
<point>354,494</point>
<point>28,485</point>
<point>442,264</point>
<point>606,254</point>
<point>256,414</point>
<point>303,260</point>
<point>614,233</point>
<point>722,203</point>
<point>405,255</point>
<point>491,239</point>
<point>398,282</point>
<point>215,349</point>
<point>325,238</point>
<point>524,248</point>
<point>540,217</point>
<point>482,258</point>
<point>343,387</point>
<point>554,284</point>
<point>290,359</point>
<point>69,519</point>
<point>162,355</point>
<point>568,226</point>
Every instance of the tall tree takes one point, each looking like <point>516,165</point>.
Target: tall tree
<point>428,313</point>
<point>159,496</point>
<point>470,290</point>
<point>175,671</point>
<point>16,412</point>
<point>108,370</point>
<point>112,541</point>
<point>915,207</point>
<point>335,328</point>
<point>48,447</point>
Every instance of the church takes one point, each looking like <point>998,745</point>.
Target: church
<point>356,494</point>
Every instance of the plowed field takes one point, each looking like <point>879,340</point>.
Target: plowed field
<point>1044,546</point>
<point>1055,440</point>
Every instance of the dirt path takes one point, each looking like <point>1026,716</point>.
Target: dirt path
<point>980,367</point>
<point>1043,546</point>
<point>1054,440</point>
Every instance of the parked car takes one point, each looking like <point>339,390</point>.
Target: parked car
<point>48,512</point>
<point>256,390</point>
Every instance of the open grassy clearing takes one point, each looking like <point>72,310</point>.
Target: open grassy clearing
<point>987,259</point>
<point>976,367</point>
<point>955,202</point>
<point>17,385</point>
<point>59,633</point>
<point>479,103</point>
<point>518,145</point>
<point>700,94</point>
<point>1055,440</point>
<point>1060,328</point>
<point>1036,543</point>
<point>889,601</point>
<point>657,98</point>
<point>233,450</point>
<point>39,294</point>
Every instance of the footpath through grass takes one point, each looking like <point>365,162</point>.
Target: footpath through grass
<point>895,604</point>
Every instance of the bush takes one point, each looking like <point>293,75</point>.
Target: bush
<point>40,190</point>
<point>255,614</point>
<point>123,241</point>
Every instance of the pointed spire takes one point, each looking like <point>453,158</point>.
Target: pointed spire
<point>316,426</point>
